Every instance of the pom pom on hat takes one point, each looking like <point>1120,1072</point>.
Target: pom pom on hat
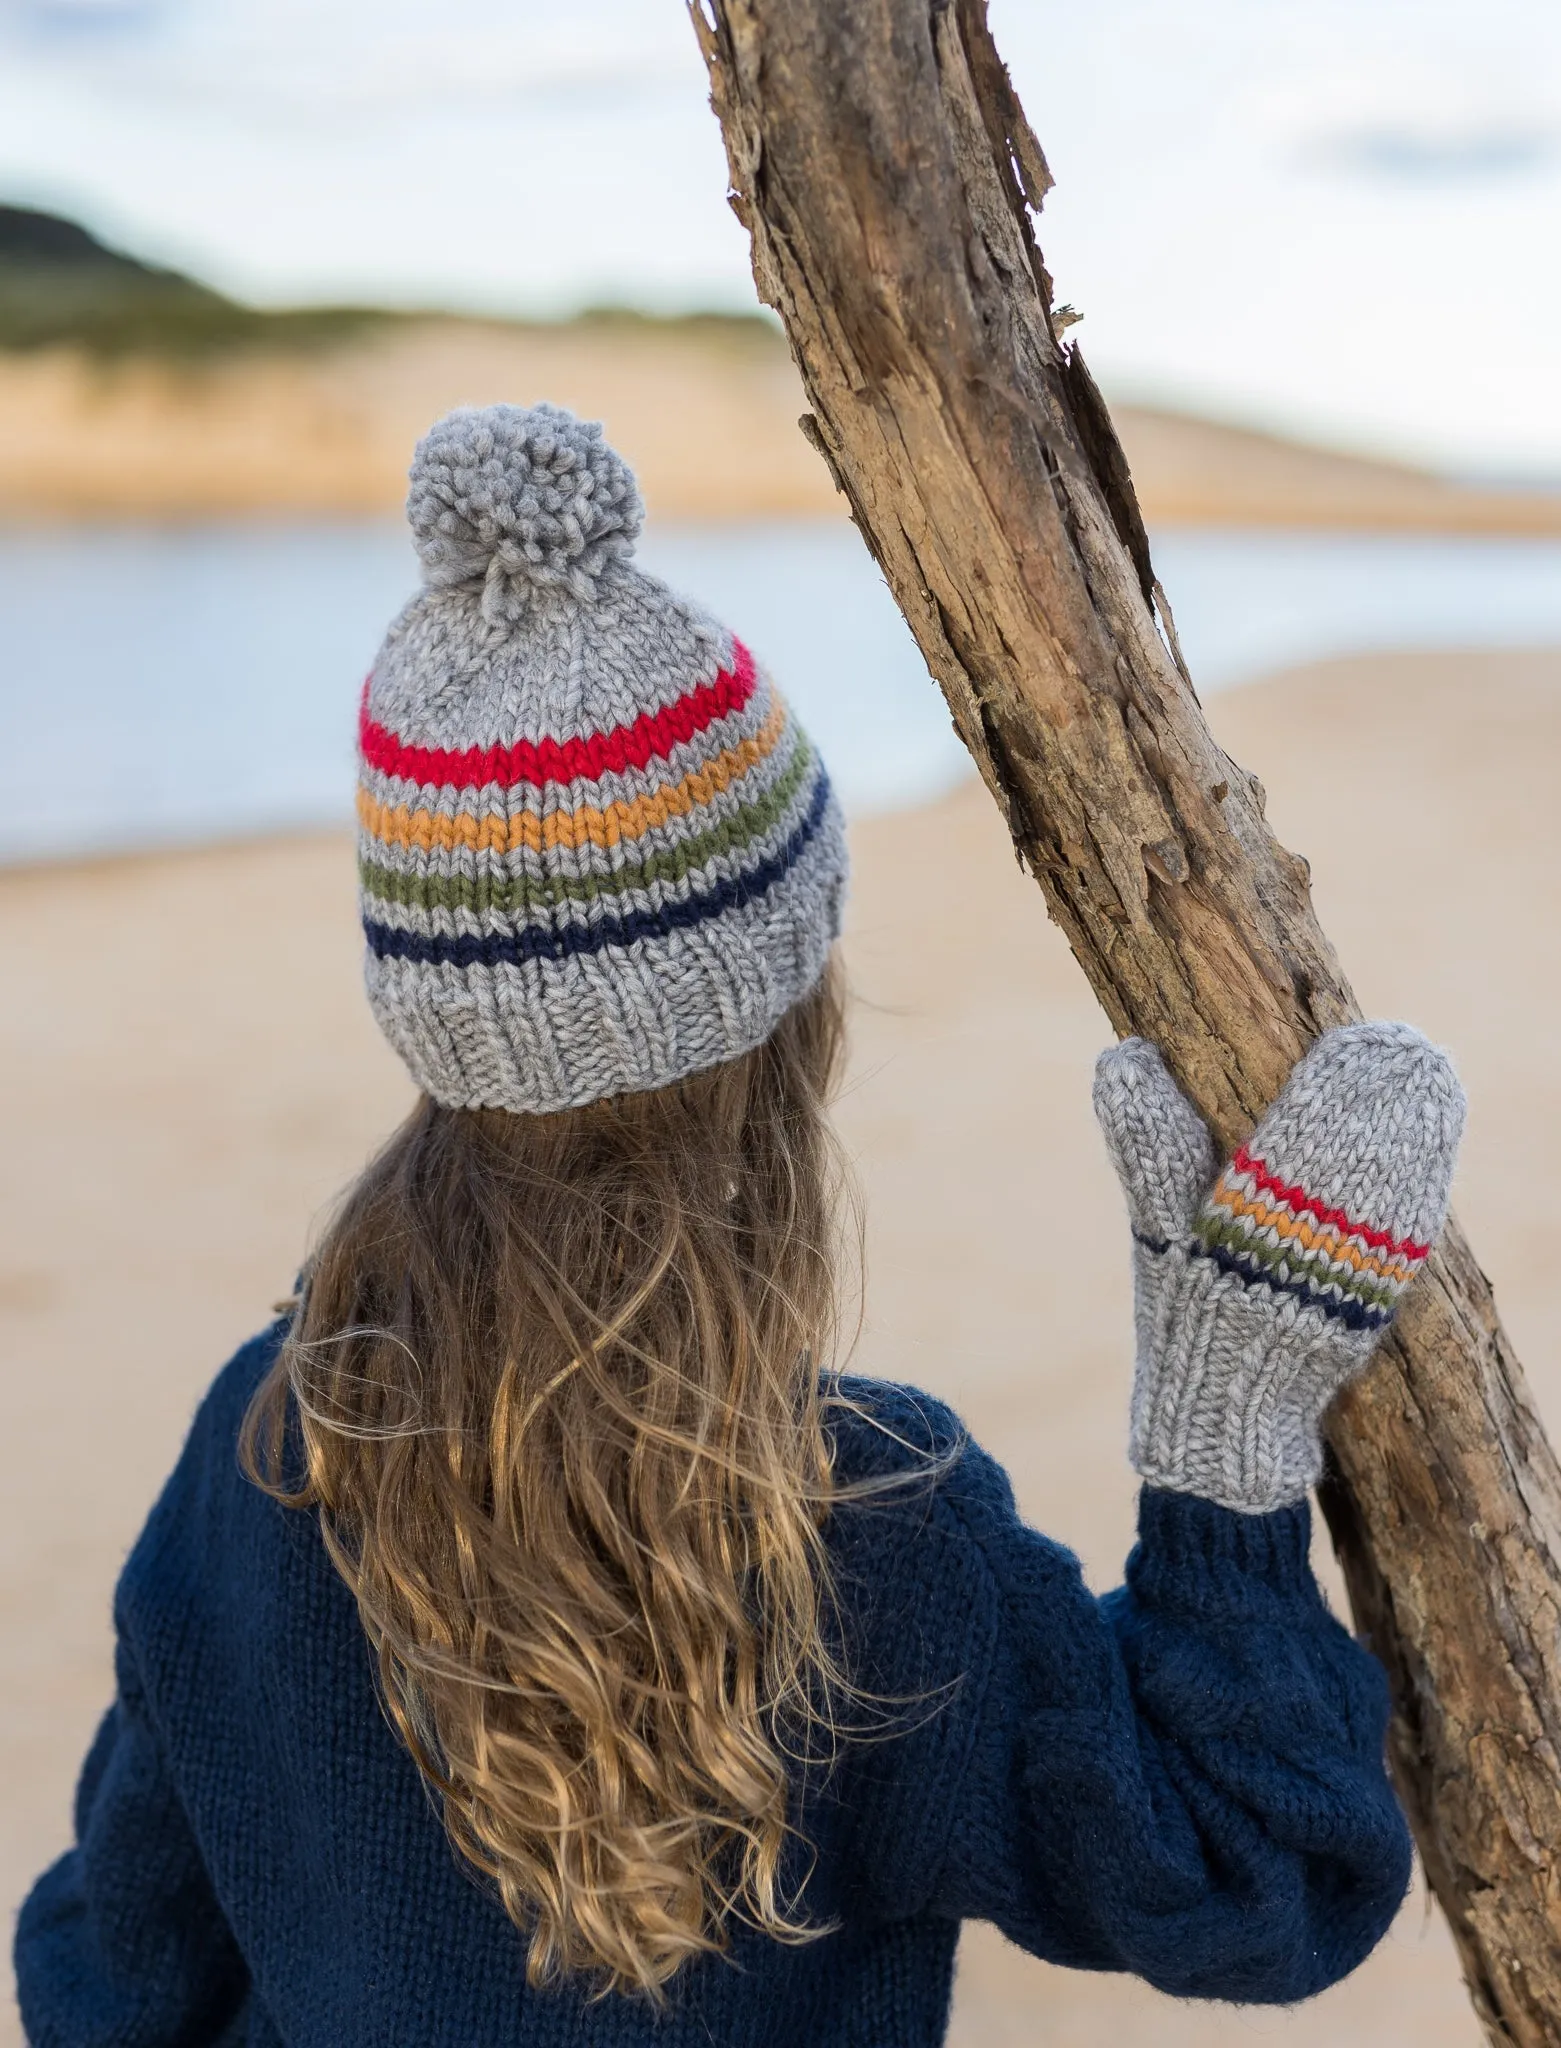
<point>521,499</point>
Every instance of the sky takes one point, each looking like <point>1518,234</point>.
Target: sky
<point>1333,217</point>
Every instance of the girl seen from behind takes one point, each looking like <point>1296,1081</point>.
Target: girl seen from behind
<point>539,1641</point>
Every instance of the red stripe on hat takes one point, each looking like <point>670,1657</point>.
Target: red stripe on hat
<point>1297,1198</point>
<point>651,737</point>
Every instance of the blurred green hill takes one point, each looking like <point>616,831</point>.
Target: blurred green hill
<point>59,285</point>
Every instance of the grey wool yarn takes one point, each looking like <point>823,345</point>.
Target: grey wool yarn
<point>1260,1291</point>
<point>596,851</point>
<point>522,499</point>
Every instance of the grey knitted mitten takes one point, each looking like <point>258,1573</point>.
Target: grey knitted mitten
<point>1258,1296</point>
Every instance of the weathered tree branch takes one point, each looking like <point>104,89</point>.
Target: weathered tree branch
<point>883,165</point>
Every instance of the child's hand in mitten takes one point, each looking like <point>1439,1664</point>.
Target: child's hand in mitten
<point>1259,1296</point>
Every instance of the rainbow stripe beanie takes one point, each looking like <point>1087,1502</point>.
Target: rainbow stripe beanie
<point>596,851</point>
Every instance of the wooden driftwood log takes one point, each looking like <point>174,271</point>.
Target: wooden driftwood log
<point>882,163</point>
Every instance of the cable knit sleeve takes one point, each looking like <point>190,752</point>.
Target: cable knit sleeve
<point>1183,1780</point>
<point>122,1944</point>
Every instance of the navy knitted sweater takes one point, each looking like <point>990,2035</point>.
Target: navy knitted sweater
<point>1183,1780</point>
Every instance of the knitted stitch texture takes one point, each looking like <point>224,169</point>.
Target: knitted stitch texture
<point>1183,1780</point>
<point>1258,1297</point>
<point>596,852</point>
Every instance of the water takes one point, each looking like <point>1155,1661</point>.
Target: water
<point>170,685</point>
<point>1247,603</point>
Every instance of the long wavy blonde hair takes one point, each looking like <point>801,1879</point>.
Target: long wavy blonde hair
<point>553,1387</point>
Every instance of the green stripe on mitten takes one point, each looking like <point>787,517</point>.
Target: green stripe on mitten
<point>1256,1298</point>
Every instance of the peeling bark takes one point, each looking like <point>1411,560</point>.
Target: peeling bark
<point>883,166</point>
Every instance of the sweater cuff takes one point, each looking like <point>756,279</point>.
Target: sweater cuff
<point>1192,1551</point>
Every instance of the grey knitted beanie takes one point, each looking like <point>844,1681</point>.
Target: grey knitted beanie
<point>596,852</point>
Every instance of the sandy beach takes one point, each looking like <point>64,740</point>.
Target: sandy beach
<point>189,1071</point>
<point>705,410</point>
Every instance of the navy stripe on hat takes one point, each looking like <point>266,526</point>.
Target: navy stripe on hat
<point>535,942</point>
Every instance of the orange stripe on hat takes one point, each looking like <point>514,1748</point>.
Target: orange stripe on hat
<point>536,831</point>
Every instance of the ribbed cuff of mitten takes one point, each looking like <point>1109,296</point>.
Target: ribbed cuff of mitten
<point>1193,1552</point>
